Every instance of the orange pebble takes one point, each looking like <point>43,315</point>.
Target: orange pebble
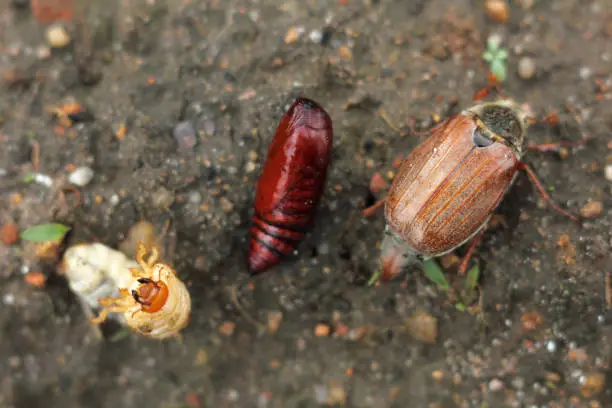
<point>35,279</point>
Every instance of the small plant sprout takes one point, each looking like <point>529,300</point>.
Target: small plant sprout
<point>45,232</point>
<point>434,273</point>
<point>462,298</point>
<point>496,56</point>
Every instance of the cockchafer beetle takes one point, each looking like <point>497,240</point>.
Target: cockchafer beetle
<point>448,187</point>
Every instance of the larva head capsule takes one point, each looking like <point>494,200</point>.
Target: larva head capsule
<point>151,295</point>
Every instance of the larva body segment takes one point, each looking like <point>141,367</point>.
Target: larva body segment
<point>95,271</point>
<point>291,184</point>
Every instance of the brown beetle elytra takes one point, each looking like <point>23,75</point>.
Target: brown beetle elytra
<point>449,186</point>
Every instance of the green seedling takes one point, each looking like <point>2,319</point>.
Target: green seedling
<point>463,297</point>
<point>45,232</point>
<point>496,56</point>
<point>434,273</point>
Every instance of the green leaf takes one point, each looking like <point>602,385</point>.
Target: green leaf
<point>120,334</point>
<point>435,274</point>
<point>502,54</point>
<point>28,178</point>
<point>45,232</point>
<point>373,279</point>
<point>460,307</point>
<point>472,277</point>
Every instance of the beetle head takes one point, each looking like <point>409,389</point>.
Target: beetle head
<point>503,121</point>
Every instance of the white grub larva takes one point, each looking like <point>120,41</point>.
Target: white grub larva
<point>96,271</point>
<point>156,304</point>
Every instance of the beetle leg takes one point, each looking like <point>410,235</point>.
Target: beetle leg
<point>425,132</point>
<point>372,209</point>
<point>470,252</point>
<point>538,184</point>
<point>492,84</point>
<point>555,147</point>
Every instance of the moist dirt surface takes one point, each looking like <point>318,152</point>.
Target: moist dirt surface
<point>173,106</point>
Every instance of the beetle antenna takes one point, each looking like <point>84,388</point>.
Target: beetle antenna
<point>534,179</point>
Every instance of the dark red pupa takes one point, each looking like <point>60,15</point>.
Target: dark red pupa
<point>291,184</point>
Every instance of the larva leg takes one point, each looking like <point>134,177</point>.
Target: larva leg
<point>101,317</point>
<point>104,313</point>
<point>106,310</point>
<point>139,273</point>
<point>120,304</point>
<point>141,252</point>
<point>153,257</point>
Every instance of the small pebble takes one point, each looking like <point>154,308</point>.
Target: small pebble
<point>337,394</point>
<point>315,36</point>
<point>81,177</point>
<point>274,320</point>
<point>496,385</point>
<point>9,299</point>
<point>608,172</point>
<point>592,209</point>
<point>185,135</point>
<point>437,375</point>
<point>252,155</point>
<point>43,179</point>
<point>43,52</point>
<point>423,326</point>
<point>114,200</point>
<point>227,328</point>
<point>497,10</point>
<point>194,197</point>
<point>530,321</point>
<point>322,330</point>
<point>232,395</point>
<point>250,167</point>
<point>585,73</point>
<point>57,36</point>
<point>293,34</point>
<point>9,233</point>
<point>526,68</point>
<point>162,198</point>
<point>226,205</point>
<point>518,383</point>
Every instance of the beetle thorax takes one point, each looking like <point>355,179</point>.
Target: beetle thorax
<point>503,121</point>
